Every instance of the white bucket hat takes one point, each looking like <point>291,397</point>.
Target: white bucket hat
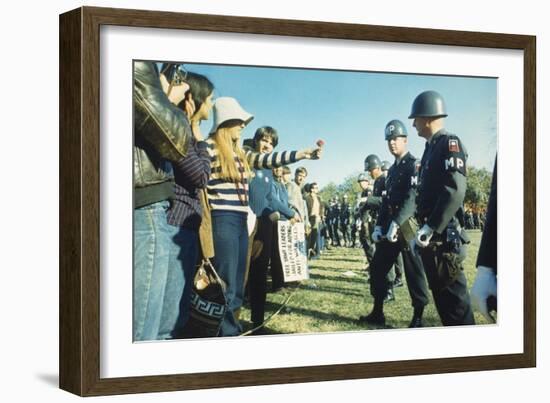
<point>227,108</point>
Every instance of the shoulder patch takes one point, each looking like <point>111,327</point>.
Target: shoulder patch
<point>453,146</point>
<point>455,155</point>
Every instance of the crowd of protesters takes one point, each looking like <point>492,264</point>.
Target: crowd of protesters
<point>178,174</point>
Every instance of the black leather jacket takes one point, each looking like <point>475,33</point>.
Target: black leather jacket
<point>161,134</point>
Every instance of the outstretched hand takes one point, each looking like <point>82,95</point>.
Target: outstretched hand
<point>310,153</point>
<point>317,153</point>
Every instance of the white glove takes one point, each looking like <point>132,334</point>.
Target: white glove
<point>423,236</point>
<point>377,234</point>
<point>485,285</point>
<point>391,235</point>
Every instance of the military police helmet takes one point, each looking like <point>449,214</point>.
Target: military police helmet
<point>386,165</point>
<point>395,128</point>
<point>429,104</point>
<point>372,162</point>
<point>362,177</point>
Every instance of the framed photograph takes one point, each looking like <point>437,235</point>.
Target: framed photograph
<point>329,106</point>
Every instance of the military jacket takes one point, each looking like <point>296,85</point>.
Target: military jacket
<point>442,181</point>
<point>361,208</point>
<point>399,203</point>
<point>345,214</point>
<point>374,200</point>
<point>334,213</point>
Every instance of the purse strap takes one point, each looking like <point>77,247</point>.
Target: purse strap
<point>205,230</point>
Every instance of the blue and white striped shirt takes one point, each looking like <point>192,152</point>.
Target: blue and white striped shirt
<point>231,196</point>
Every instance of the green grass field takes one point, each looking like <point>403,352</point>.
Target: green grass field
<point>337,293</point>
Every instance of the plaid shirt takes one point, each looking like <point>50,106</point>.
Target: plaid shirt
<point>191,174</point>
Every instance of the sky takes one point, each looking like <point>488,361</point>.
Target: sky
<point>349,111</point>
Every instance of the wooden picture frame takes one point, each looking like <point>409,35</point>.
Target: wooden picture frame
<point>80,199</point>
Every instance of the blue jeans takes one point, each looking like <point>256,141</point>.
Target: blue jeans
<point>152,239</point>
<point>177,296</point>
<point>231,246</point>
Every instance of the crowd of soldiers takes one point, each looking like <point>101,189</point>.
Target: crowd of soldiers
<point>474,218</point>
<point>411,221</point>
<point>340,222</point>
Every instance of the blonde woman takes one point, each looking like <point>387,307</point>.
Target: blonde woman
<point>228,197</point>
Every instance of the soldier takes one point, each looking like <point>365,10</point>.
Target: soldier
<point>334,222</point>
<point>374,199</point>
<point>355,221</point>
<point>345,217</point>
<point>475,217</point>
<point>373,203</point>
<point>366,220</point>
<point>385,168</point>
<point>469,219</point>
<point>394,220</point>
<point>441,189</point>
<point>325,228</point>
<point>398,266</point>
<point>328,221</point>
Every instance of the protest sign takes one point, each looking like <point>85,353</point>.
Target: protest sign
<point>293,251</point>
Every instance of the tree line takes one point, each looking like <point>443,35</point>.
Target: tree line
<point>477,189</point>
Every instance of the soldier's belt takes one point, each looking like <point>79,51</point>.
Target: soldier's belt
<point>421,219</point>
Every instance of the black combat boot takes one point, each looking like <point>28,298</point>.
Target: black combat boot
<point>376,317</point>
<point>416,320</point>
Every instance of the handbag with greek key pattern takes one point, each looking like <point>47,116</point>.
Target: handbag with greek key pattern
<point>208,303</point>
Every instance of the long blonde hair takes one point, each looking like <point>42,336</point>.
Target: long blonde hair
<point>227,149</point>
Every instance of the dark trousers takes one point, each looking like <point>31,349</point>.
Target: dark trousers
<point>328,229</point>
<point>399,267</point>
<point>335,233</point>
<point>346,234</point>
<point>257,279</point>
<point>384,258</point>
<point>314,239</point>
<point>277,275</point>
<point>231,245</point>
<point>451,300</point>
<point>353,235</point>
<point>367,243</point>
